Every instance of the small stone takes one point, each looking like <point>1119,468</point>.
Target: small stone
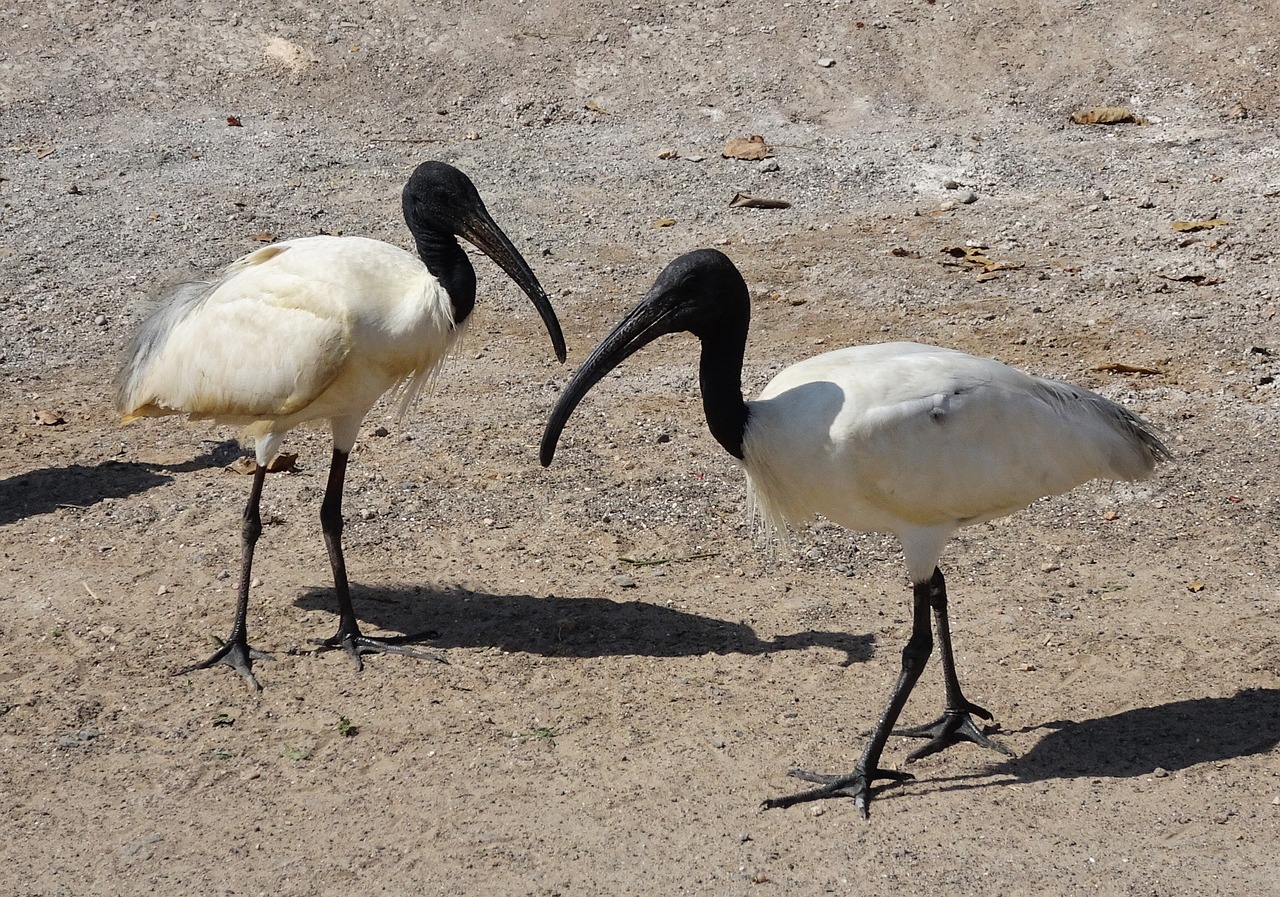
<point>1049,568</point>
<point>623,581</point>
<point>949,184</point>
<point>826,62</point>
<point>967,197</point>
<point>381,431</point>
<point>1159,772</point>
<point>767,165</point>
<point>100,320</point>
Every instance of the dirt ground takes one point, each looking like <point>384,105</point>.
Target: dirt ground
<point>630,670</point>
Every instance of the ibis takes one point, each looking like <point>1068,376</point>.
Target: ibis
<point>900,438</point>
<point>319,328</point>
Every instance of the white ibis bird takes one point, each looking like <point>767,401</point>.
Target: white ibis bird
<point>319,328</point>
<point>902,438</point>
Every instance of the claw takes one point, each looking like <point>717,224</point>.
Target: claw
<point>357,644</point>
<point>235,653</point>
<point>856,784</point>
<point>952,727</point>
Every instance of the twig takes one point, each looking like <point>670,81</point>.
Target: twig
<point>671,560</point>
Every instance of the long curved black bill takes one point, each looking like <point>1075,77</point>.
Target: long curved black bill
<point>483,232</point>
<point>652,318</point>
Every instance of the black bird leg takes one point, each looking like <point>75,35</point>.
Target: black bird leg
<point>235,651</point>
<point>857,784</point>
<point>349,637</point>
<point>955,725</point>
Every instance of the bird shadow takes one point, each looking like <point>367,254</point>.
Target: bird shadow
<point>46,489</point>
<point>569,627</point>
<point>1140,742</point>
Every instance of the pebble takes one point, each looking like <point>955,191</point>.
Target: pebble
<point>767,165</point>
<point>623,581</point>
<point>100,320</point>
<point>966,197</point>
<point>826,62</point>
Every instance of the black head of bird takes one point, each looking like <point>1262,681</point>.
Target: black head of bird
<point>440,203</point>
<point>702,293</point>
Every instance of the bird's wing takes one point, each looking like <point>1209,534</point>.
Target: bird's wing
<point>261,342</point>
<point>883,437</point>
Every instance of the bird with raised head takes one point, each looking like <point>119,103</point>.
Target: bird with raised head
<point>319,328</point>
<point>901,438</point>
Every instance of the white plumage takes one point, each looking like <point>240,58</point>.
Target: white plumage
<point>319,328</point>
<point>918,441</point>
<point>901,438</point>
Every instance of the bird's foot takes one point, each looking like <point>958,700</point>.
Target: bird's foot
<point>236,654</point>
<point>954,726</point>
<point>856,784</point>
<point>357,644</point>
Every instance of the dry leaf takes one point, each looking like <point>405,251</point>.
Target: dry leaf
<point>664,222</point>
<point>264,237</point>
<point>904,253</point>
<point>244,464</point>
<point>45,152</point>
<point>282,462</point>
<point>746,201</point>
<point>975,257</point>
<point>1121,367</point>
<point>1107,115</point>
<point>668,154</point>
<point>247,464</point>
<point>752,148</point>
<point>596,107</point>
<point>1191,226</point>
<point>1110,515</point>
<point>233,121</point>
<point>48,418</point>
<point>1195,586</point>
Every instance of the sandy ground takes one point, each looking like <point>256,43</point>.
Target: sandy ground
<point>630,671</point>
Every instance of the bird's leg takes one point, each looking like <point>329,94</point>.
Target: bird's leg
<point>857,784</point>
<point>956,723</point>
<point>349,637</point>
<point>235,651</point>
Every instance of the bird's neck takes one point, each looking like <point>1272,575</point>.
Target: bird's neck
<point>449,264</point>
<point>720,378</point>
